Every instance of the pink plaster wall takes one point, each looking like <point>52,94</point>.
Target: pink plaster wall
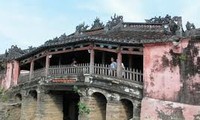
<point>12,74</point>
<point>153,109</point>
<point>16,71</point>
<point>160,81</point>
<point>163,82</point>
<point>8,78</point>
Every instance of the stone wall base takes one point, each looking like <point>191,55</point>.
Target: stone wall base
<point>154,109</point>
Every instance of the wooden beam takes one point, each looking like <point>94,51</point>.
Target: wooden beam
<point>69,50</point>
<point>132,52</point>
<point>105,49</point>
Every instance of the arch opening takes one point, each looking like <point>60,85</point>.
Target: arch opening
<point>98,110</point>
<point>126,110</point>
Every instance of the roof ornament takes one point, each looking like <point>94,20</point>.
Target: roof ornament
<point>190,26</point>
<point>81,27</point>
<point>63,37</point>
<point>97,24</point>
<point>170,25</point>
<point>159,20</point>
<point>115,20</point>
<point>12,53</point>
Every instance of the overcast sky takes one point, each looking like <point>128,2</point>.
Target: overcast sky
<point>32,22</point>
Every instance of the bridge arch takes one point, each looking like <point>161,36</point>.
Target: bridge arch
<point>18,97</point>
<point>126,109</point>
<point>99,102</point>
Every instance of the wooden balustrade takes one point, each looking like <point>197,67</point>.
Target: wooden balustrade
<point>84,68</point>
<point>102,69</point>
<point>132,74</point>
<point>68,70</point>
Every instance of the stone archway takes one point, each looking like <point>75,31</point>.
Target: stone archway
<point>98,106</point>
<point>126,109</point>
<point>18,98</point>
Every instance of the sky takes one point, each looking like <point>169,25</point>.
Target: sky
<point>32,22</point>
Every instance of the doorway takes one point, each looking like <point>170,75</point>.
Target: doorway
<point>70,106</point>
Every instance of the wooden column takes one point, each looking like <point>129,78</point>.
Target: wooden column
<point>91,60</point>
<point>47,65</point>
<point>31,69</point>
<point>119,63</point>
<point>130,63</point>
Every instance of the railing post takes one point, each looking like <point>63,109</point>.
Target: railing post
<point>31,69</point>
<point>91,59</point>
<point>119,63</point>
<point>47,65</point>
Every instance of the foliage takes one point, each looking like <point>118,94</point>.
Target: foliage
<point>83,109</point>
<point>183,57</point>
<point>76,90</point>
<point>3,95</point>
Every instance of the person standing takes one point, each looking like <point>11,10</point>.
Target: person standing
<point>74,63</point>
<point>113,66</point>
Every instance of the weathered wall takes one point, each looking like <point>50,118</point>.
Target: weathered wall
<point>15,72</point>
<point>171,72</point>
<point>13,113</point>
<point>108,106</point>
<point>153,109</point>
<point>97,105</point>
<point>12,74</point>
<point>8,78</point>
<point>29,106</point>
<point>113,110</point>
<point>49,107</point>
<point>158,75</point>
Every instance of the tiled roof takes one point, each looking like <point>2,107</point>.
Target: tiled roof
<point>125,34</point>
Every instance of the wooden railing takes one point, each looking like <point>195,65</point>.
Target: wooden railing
<point>68,70</point>
<point>132,74</point>
<point>99,69</point>
<point>127,73</point>
<point>102,69</point>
